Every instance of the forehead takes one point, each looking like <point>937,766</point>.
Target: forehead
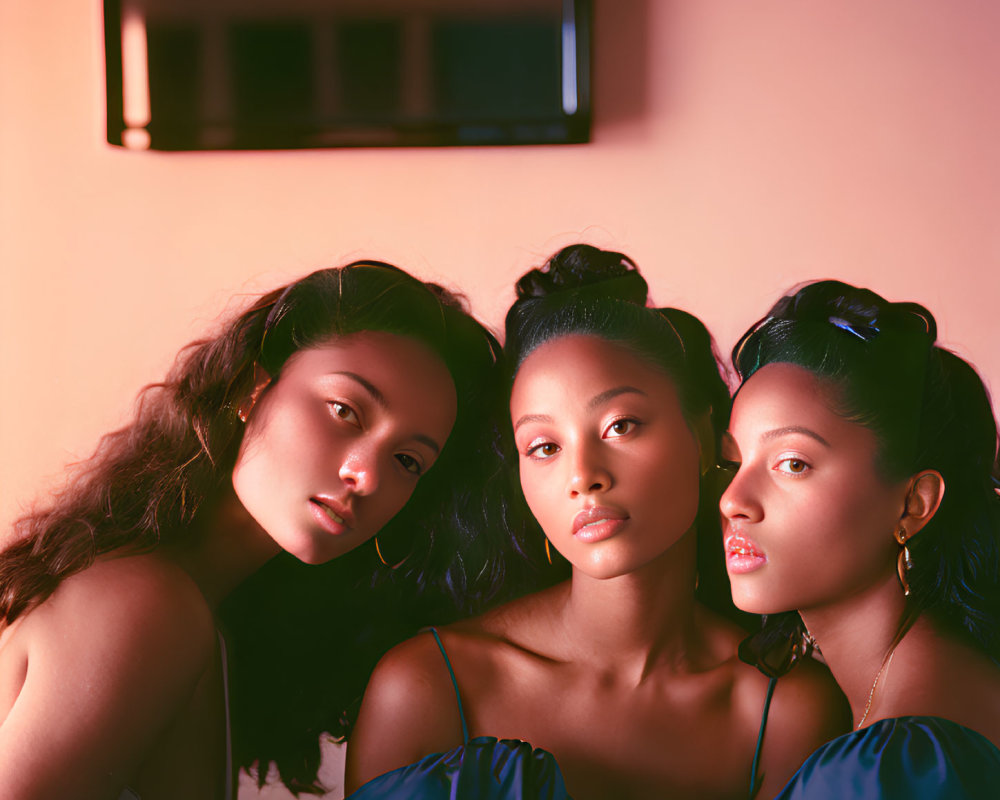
<point>779,389</point>
<point>782,395</point>
<point>397,365</point>
<point>578,366</point>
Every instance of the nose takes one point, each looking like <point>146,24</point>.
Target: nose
<point>588,472</point>
<point>739,501</point>
<point>359,470</point>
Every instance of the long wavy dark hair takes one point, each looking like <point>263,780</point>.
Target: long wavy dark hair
<point>585,290</point>
<point>302,639</point>
<point>928,409</point>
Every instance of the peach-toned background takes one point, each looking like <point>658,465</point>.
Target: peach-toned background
<point>738,148</point>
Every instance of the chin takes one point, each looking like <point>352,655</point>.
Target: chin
<point>752,600</point>
<point>304,549</point>
<point>605,570</point>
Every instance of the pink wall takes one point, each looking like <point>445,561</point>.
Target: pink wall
<point>738,148</point>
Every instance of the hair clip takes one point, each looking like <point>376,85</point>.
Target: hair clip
<point>866,334</point>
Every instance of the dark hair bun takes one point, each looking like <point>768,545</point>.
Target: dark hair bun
<point>582,265</point>
<point>856,311</point>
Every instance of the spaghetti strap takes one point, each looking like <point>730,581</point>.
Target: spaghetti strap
<point>760,737</point>
<point>454,683</point>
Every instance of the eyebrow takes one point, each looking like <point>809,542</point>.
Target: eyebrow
<point>379,398</point>
<point>610,394</point>
<point>367,385</point>
<point>594,402</point>
<point>531,418</point>
<point>778,432</point>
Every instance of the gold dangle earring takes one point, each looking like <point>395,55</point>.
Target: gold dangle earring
<point>548,551</point>
<point>904,563</point>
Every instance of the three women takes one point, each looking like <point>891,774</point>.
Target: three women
<point>863,500</point>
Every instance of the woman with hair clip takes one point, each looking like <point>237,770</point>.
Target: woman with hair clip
<point>351,405</point>
<point>624,678</point>
<point>865,501</point>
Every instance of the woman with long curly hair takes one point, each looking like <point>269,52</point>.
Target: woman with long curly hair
<point>342,420</point>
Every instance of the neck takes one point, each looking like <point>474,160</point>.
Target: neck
<point>226,549</point>
<point>630,623</point>
<point>856,637</point>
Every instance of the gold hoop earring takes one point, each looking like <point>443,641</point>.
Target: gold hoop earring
<point>904,562</point>
<point>548,551</point>
<point>378,552</point>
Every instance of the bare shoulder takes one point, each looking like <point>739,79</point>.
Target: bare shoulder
<point>409,710</point>
<point>807,710</point>
<point>108,659</point>
<point>129,603</point>
<point>808,703</point>
<point>411,706</point>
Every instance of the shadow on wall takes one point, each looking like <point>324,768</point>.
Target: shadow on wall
<point>620,61</point>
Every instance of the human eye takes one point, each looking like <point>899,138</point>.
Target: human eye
<point>792,465</point>
<point>540,450</point>
<point>620,427</point>
<point>344,412</point>
<point>410,464</point>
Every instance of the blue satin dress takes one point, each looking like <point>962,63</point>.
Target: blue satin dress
<point>487,768</point>
<point>909,758</point>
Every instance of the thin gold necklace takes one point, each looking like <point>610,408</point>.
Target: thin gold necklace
<point>871,694</point>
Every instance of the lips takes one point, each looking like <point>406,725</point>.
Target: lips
<point>598,522</point>
<point>333,515</point>
<point>742,555</point>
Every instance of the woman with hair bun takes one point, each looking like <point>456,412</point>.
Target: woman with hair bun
<point>622,680</point>
<point>343,420</point>
<point>864,521</point>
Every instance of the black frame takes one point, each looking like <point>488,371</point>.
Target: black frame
<point>262,135</point>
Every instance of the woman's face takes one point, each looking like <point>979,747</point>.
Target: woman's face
<point>807,520</point>
<point>335,446</point>
<point>608,464</point>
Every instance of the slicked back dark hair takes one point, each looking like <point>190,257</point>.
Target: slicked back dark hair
<point>928,409</point>
<point>583,290</point>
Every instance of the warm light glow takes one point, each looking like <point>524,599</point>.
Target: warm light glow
<point>136,139</point>
<point>135,73</point>
<point>569,98</point>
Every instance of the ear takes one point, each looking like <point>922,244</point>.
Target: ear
<point>704,433</point>
<point>261,380</point>
<point>923,498</point>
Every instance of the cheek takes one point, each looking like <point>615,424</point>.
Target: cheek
<point>539,493</point>
<point>672,481</point>
<point>281,441</point>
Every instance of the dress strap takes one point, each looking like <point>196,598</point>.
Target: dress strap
<point>224,658</point>
<point>454,683</point>
<point>760,737</point>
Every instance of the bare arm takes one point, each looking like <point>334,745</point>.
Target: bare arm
<point>808,709</point>
<point>409,711</point>
<point>108,660</point>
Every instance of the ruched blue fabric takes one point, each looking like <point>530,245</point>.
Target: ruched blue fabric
<point>904,758</point>
<point>485,767</point>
